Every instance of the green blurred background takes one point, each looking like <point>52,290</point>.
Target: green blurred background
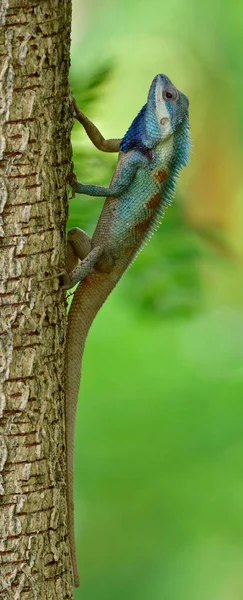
<point>159,440</point>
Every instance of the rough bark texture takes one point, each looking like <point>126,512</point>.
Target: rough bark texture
<point>35,160</point>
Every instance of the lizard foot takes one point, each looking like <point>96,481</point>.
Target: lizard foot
<point>65,279</point>
<point>55,276</point>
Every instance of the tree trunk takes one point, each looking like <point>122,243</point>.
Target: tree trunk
<point>36,119</point>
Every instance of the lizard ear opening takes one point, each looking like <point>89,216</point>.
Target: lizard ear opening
<point>134,136</point>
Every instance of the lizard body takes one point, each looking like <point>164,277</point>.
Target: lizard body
<point>151,155</point>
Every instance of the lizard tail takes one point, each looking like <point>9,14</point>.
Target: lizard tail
<point>88,298</point>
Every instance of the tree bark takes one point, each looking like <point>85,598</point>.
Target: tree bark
<point>36,120</point>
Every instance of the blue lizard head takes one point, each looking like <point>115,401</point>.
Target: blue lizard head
<point>166,109</point>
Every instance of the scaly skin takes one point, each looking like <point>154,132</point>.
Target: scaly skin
<point>151,155</point>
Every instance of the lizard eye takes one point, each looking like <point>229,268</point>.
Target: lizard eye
<point>170,95</point>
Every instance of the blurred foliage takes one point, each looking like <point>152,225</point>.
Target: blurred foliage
<point>89,89</point>
<point>159,447</point>
<point>165,283</point>
<point>159,458</point>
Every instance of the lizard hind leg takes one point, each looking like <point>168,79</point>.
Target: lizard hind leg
<point>83,268</point>
<point>78,247</point>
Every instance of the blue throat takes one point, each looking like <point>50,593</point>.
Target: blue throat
<point>144,132</point>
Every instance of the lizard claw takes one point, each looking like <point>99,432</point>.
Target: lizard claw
<point>65,281</point>
<point>55,276</point>
<point>72,180</point>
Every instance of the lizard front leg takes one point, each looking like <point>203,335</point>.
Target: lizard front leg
<point>112,145</point>
<point>123,180</point>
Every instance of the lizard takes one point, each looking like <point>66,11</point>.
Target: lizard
<point>151,154</point>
